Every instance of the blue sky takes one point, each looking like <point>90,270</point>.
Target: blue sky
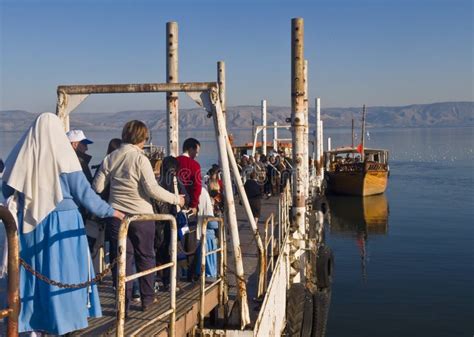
<point>384,52</point>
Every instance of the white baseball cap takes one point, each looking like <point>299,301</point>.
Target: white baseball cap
<point>78,136</point>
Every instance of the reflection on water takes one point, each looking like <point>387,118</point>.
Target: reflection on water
<point>351,214</point>
<point>361,217</point>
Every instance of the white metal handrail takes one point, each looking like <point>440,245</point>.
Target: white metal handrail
<point>122,278</point>
<point>222,266</point>
<point>269,240</point>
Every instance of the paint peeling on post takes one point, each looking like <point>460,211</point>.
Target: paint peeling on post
<point>221,138</point>
<point>222,92</point>
<point>298,128</point>
<point>172,100</point>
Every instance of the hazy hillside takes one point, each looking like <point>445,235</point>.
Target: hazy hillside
<point>419,115</point>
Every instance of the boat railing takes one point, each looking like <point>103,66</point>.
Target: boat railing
<point>220,280</point>
<point>284,205</point>
<point>269,251</point>
<point>123,278</point>
<point>13,270</point>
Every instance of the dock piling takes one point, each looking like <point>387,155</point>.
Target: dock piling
<point>172,97</point>
<point>298,119</point>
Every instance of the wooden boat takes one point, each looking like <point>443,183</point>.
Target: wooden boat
<point>347,173</point>
<point>357,170</point>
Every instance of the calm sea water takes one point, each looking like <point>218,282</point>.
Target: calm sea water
<point>412,273</point>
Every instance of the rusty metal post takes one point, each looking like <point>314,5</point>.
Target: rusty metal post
<point>221,138</point>
<point>122,278</point>
<point>61,105</point>
<point>121,275</point>
<point>250,217</point>
<point>13,266</point>
<point>317,138</point>
<point>264,124</point>
<point>306,131</point>
<point>298,119</point>
<point>222,92</point>
<point>203,272</point>
<point>172,97</point>
<point>275,136</point>
<point>321,142</point>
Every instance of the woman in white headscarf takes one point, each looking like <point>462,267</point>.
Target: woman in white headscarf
<point>44,183</point>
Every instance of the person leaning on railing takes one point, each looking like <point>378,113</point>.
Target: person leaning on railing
<point>132,183</point>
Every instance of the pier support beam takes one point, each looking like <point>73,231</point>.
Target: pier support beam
<point>222,92</point>
<point>222,139</point>
<point>318,141</point>
<point>306,132</point>
<point>275,136</point>
<point>298,120</point>
<point>172,97</point>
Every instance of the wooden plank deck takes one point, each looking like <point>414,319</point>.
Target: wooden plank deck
<point>187,304</point>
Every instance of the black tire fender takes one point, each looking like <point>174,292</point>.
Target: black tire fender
<point>299,311</point>
<point>324,267</point>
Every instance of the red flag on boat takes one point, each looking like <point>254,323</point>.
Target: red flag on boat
<point>359,148</point>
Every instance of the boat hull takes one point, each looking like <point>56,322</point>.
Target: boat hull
<point>361,183</point>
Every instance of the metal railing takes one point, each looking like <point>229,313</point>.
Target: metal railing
<point>269,240</point>
<point>222,249</point>
<point>284,206</point>
<point>13,270</point>
<point>123,278</point>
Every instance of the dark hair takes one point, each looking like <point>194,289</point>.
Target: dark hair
<point>169,168</point>
<point>190,143</point>
<point>114,144</point>
<point>169,163</point>
<point>134,132</point>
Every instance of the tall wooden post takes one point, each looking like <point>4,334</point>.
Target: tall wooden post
<point>172,97</point>
<point>298,119</point>
<point>221,138</point>
<point>275,136</point>
<point>306,132</point>
<point>222,92</point>
<point>264,124</point>
<point>317,137</point>
<point>352,132</point>
<point>321,142</point>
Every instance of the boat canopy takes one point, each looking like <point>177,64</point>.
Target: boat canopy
<point>349,149</point>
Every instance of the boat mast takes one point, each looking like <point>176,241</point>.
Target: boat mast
<point>362,156</point>
<point>353,137</point>
<point>352,132</point>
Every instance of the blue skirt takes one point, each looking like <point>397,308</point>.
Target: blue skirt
<point>211,259</point>
<point>58,249</point>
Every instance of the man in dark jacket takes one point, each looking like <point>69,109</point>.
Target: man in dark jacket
<point>79,143</point>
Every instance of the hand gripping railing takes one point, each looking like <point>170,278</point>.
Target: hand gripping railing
<point>122,278</point>
<point>222,266</point>
<point>13,273</point>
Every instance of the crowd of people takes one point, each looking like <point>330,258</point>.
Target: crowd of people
<point>50,188</point>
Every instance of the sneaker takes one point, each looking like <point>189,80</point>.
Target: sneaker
<point>136,295</point>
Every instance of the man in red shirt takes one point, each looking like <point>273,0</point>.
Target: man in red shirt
<point>189,173</point>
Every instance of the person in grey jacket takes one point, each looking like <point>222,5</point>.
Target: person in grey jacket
<point>132,183</point>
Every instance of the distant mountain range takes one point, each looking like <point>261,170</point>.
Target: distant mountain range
<point>240,117</point>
